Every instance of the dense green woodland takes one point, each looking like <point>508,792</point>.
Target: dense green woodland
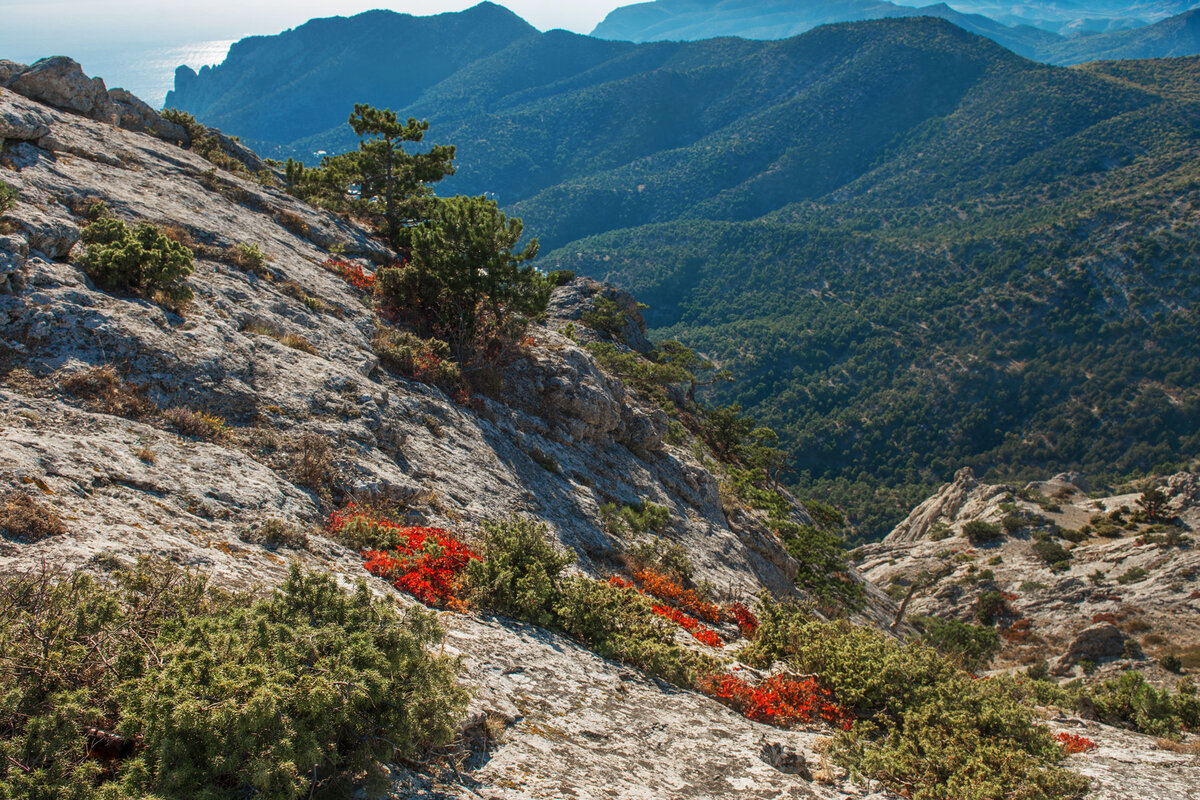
<point>913,249</point>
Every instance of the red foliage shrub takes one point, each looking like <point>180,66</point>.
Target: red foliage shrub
<point>350,272</point>
<point>698,631</point>
<point>780,700</point>
<point>746,621</point>
<point>1073,744</point>
<point>428,563</point>
<point>669,591</point>
<point>1105,616</point>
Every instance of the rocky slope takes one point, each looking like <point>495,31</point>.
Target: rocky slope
<point>182,434</point>
<point>98,446</point>
<point>1125,579</point>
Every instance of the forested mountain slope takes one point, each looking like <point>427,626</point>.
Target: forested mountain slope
<point>914,249</point>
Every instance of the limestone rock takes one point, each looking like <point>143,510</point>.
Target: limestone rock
<point>961,498</point>
<point>136,115</point>
<point>570,302</point>
<point>52,236</point>
<point>786,759</point>
<point>14,250</point>
<point>60,82</point>
<point>8,69</point>
<point>23,124</point>
<point>1094,644</point>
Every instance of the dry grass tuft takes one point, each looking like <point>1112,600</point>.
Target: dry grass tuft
<point>25,519</point>
<point>106,392</point>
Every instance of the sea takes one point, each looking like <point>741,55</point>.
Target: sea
<point>148,70</point>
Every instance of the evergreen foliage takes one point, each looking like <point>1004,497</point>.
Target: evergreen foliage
<point>466,282</point>
<point>143,261</point>
<point>8,197</point>
<point>518,571</point>
<point>926,728</point>
<point>162,686</point>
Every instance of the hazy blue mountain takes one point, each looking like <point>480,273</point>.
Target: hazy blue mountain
<point>667,20</point>
<point>1110,30</point>
<point>1075,16</point>
<point>914,249</point>
<point>1174,36</point>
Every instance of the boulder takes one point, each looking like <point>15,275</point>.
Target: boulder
<point>1094,643</point>
<point>53,237</point>
<point>787,760</point>
<point>14,250</point>
<point>22,124</point>
<point>8,69</point>
<point>137,115</point>
<point>570,302</point>
<point>59,81</point>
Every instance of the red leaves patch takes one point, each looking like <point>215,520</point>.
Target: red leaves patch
<point>1073,744</point>
<point>780,700</point>
<point>428,563</point>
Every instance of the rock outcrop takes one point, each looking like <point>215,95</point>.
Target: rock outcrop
<point>137,115</point>
<point>964,499</point>
<point>59,81</point>
<point>1079,576</point>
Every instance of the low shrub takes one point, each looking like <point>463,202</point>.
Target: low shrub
<point>143,261</point>
<point>926,728</point>
<point>1171,663</point>
<point>8,197</point>
<point>248,256</point>
<point>275,533</point>
<point>518,571</point>
<point>560,277</point>
<point>298,342</point>
<point>158,685</point>
<point>779,700</point>
<point>25,519</point>
<point>990,606</point>
<point>662,556</point>
<point>667,590</point>
<point>618,622</point>
<point>312,464</point>
<point>641,517</point>
<point>1128,700</point>
<point>974,645</point>
<point>106,392</point>
<point>1132,575</point>
<point>1051,552</point>
<point>424,360</point>
<point>979,532</point>
<point>428,563</point>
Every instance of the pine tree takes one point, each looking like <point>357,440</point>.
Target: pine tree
<point>393,183</point>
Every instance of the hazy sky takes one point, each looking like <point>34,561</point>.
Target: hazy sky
<point>33,24</point>
<point>137,44</point>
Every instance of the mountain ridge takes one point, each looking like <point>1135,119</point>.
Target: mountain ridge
<point>828,167</point>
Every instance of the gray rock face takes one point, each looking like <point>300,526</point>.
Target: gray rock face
<point>962,499</point>
<point>8,69</point>
<point>572,301</point>
<point>136,115</point>
<point>25,124</point>
<point>1094,644</point>
<point>1145,578</point>
<point>59,81</point>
